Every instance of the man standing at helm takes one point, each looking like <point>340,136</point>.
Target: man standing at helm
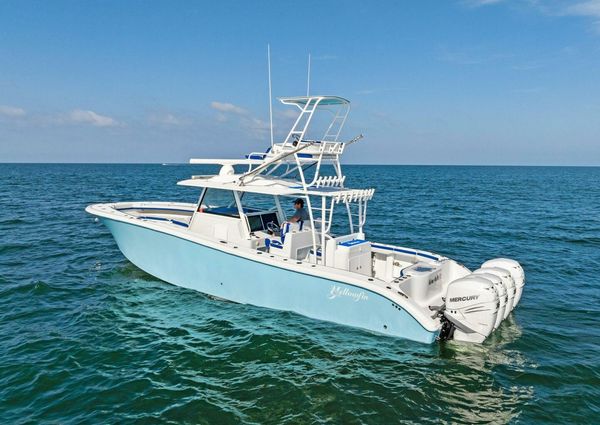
<point>301,214</point>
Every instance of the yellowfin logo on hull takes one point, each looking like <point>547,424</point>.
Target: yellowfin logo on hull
<point>337,291</point>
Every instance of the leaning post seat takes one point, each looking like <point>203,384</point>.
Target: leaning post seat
<point>295,241</point>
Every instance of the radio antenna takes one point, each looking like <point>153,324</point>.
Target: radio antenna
<point>308,78</point>
<point>270,94</point>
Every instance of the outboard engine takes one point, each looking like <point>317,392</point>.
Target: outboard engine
<point>500,290</point>
<point>507,282</point>
<point>515,270</point>
<point>472,307</point>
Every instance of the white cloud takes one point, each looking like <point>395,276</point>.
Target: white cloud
<point>166,119</point>
<point>228,107</point>
<point>12,111</point>
<point>583,8</point>
<point>588,8</point>
<point>255,127</point>
<point>90,117</point>
<point>257,124</point>
<point>228,112</point>
<point>289,113</point>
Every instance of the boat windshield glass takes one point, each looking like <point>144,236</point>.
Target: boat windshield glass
<point>219,201</point>
<point>254,202</point>
<point>260,210</point>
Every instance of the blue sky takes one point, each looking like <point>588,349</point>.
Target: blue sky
<point>432,82</point>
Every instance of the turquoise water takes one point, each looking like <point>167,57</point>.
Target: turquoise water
<point>86,337</point>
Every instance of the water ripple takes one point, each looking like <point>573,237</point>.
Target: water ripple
<point>86,337</point>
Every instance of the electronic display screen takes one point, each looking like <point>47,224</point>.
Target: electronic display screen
<point>255,223</point>
<point>268,217</point>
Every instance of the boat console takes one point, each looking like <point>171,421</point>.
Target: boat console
<point>261,220</point>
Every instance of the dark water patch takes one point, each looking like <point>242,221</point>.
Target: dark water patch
<point>37,287</point>
<point>13,248</point>
<point>12,222</point>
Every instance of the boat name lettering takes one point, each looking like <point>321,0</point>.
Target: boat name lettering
<point>435,278</point>
<point>338,291</point>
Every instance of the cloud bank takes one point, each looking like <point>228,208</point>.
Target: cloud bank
<point>81,116</point>
<point>12,111</point>
<point>228,107</point>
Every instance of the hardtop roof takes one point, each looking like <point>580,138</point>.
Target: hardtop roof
<point>272,186</point>
<point>301,101</point>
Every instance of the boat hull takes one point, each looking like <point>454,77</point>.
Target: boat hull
<point>189,264</point>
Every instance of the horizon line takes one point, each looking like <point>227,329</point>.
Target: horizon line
<point>348,163</point>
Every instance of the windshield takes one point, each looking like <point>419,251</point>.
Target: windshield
<point>219,201</point>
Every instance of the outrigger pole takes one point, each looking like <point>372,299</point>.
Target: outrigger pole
<point>270,94</point>
<point>273,161</point>
<point>308,78</point>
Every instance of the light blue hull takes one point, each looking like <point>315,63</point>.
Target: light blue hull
<point>221,274</point>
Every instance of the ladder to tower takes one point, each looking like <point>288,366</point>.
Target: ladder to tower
<point>303,121</point>
<point>332,133</point>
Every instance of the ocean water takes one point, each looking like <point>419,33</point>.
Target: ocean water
<point>86,337</point>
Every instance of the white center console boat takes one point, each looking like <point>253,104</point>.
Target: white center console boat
<point>236,243</point>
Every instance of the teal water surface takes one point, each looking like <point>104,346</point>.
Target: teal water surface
<point>86,337</point>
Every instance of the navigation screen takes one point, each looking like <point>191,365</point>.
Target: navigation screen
<point>267,218</point>
<point>255,223</point>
